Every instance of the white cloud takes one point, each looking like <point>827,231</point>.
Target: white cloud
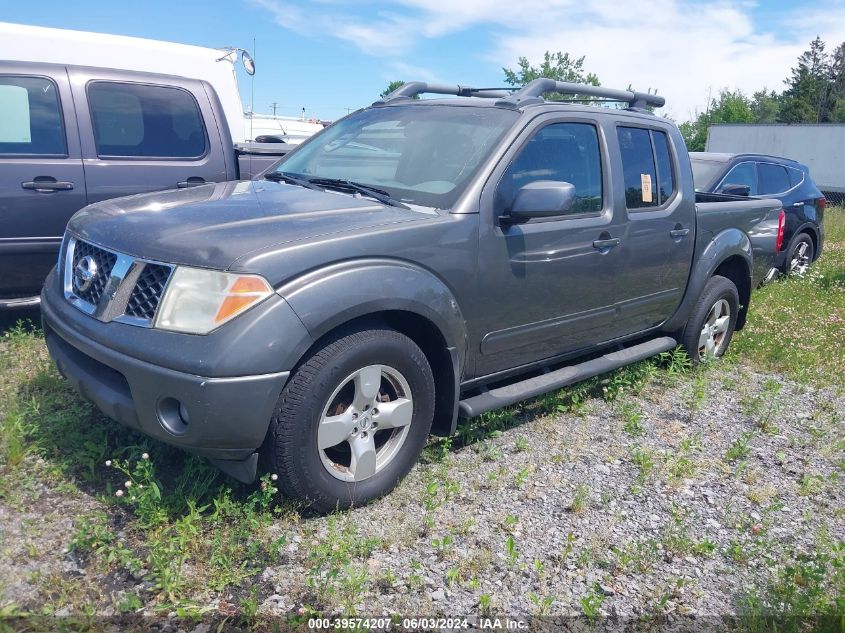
<point>686,50</point>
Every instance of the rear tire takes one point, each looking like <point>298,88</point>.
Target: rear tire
<point>800,256</point>
<point>712,322</point>
<point>352,420</point>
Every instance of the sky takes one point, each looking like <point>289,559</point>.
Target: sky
<point>330,56</point>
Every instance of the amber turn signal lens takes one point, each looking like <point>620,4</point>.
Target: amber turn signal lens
<point>243,293</point>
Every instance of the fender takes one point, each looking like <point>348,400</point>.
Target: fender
<point>726,244</point>
<point>327,297</point>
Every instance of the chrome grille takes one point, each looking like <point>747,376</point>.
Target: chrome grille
<point>148,290</point>
<point>123,288</point>
<point>104,261</point>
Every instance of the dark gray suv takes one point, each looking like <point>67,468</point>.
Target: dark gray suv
<point>417,261</point>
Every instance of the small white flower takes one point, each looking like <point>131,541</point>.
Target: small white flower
<point>108,462</point>
<point>274,477</point>
<point>119,493</point>
<point>128,484</point>
<point>145,455</point>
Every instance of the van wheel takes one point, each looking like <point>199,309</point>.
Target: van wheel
<point>352,420</point>
<point>800,256</point>
<point>711,325</point>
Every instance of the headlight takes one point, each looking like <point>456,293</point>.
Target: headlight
<point>199,300</point>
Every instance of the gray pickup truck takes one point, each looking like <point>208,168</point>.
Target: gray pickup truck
<point>418,261</point>
<point>71,136</point>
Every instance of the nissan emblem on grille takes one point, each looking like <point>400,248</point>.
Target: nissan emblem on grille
<point>84,273</point>
<point>113,286</point>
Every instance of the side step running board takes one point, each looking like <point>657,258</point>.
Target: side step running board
<point>510,394</point>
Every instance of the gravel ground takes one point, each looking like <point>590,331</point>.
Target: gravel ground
<point>678,500</point>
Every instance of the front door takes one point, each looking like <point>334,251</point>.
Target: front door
<point>546,285</point>
<point>42,183</point>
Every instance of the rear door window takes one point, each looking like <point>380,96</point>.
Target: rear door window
<point>647,167</point>
<point>30,117</point>
<point>742,174</point>
<point>773,179</point>
<point>144,121</point>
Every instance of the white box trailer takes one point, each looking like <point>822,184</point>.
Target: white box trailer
<point>820,146</point>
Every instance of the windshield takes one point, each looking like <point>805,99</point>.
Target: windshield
<point>704,172</point>
<point>419,154</point>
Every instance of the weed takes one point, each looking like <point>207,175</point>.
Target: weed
<point>511,552</point>
<point>592,602</point>
<point>521,444</point>
<point>580,498</point>
<point>632,417</point>
<point>739,448</point>
<point>521,477</point>
<point>542,605</point>
<point>643,459</point>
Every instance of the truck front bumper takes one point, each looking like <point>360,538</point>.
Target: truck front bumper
<point>222,418</point>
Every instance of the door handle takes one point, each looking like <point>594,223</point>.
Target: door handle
<point>678,233</point>
<point>193,181</point>
<point>608,243</point>
<point>47,186</point>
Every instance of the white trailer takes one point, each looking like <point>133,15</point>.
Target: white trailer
<point>820,146</point>
<point>19,42</point>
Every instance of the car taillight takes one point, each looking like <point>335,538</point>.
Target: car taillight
<point>822,204</point>
<point>781,223</point>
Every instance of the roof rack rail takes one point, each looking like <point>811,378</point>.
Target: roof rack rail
<point>533,92</point>
<point>413,88</point>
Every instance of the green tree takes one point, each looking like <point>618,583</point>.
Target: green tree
<point>766,106</point>
<point>729,107</point>
<point>393,85</point>
<point>837,84</point>
<point>558,66</point>
<point>807,97</point>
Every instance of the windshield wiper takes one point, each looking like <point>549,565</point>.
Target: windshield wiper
<point>348,185</point>
<point>280,176</point>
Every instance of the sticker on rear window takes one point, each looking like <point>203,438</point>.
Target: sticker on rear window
<point>646,180</point>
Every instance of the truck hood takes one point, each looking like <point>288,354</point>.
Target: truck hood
<point>213,225</point>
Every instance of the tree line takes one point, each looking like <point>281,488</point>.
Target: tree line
<point>814,92</point>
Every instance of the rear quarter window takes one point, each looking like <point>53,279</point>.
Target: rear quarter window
<point>773,179</point>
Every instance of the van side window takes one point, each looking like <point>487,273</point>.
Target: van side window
<point>742,174</point>
<point>563,152</point>
<point>638,168</point>
<point>773,179</point>
<point>138,120</point>
<point>30,117</point>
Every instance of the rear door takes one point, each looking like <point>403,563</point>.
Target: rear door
<point>145,133</point>
<point>42,182</point>
<point>657,247</point>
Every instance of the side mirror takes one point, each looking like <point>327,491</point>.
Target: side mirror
<point>543,199</point>
<point>247,61</point>
<point>735,190</point>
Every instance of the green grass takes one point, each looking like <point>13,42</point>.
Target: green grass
<point>797,326</point>
<point>189,530</point>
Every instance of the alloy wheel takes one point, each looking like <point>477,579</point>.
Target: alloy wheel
<point>365,422</point>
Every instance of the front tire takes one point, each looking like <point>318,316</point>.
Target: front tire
<point>711,325</point>
<point>352,420</point>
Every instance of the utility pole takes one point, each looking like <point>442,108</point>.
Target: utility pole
<point>274,105</point>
